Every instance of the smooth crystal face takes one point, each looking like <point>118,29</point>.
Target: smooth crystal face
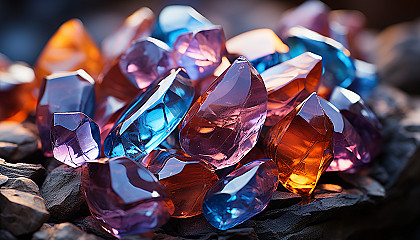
<point>241,195</point>
<point>360,116</point>
<point>63,92</point>
<point>186,179</point>
<point>225,122</point>
<point>69,49</point>
<point>262,47</point>
<point>366,78</point>
<point>301,145</point>
<point>150,117</point>
<point>339,68</point>
<point>125,197</point>
<point>145,61</point>
<point>136,26</point>
<point>349,151</point>
<point>289,83</point>
<point>75,138</point>
<point>200,52</point>
<point>175,20</point>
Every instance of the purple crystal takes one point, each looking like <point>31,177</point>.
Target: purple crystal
<point>63,92</point>
<point>75,137</point>
<point>145,61</point>
<point>200,52</point>
<point>125,197</point>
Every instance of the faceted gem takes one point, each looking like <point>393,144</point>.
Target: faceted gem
<point>175,20</point>
<point>301,146</point>
<point>137,25</point>
<point>241,195</point>
<point>187,179</point>
<point>366,78</point>
<point>339,68</point>
<point>125,197</point>
<point>200,52</point>
<point>349,152</point>
<point>63,92</point>
<point>262,47</point>
<point>145,61</point>
<point>171,141</point>
<point>253,155</point>
<point>75,137</point>
<point>69,49</point>
<point>225,122</point>
<point>360,116</point>
<point>289,83</point>
<point>150,117</point>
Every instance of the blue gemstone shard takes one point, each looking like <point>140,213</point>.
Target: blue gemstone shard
<point>339,69</point>
<point>366,79</point>
<point>241,195</point>
<point>175,20</point>
<point>150,117</point>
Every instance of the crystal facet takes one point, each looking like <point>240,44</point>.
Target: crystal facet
<point>63,92</point>
<point>225,122</point>
<point>187,179</point>
<point>75,137</point>
<point>301,145</point>
<point>289,83</point>
<point>366,78</point>
<point>240,195</point>
<point>125,197</point>
<point>150,117</point>
<point>200,52</point>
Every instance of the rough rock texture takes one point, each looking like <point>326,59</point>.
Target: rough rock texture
<point>16,141</point>
<point>62,231</point>
<point>62,192</point>
<point>21,184</point>
<point>32,171</point>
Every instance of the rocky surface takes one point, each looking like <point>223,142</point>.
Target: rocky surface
<point>21,184</point>
<point>62,231</point>
<point>34,172</point>
<point>16,141</point>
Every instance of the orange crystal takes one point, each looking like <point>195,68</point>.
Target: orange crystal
<point>301,146</point>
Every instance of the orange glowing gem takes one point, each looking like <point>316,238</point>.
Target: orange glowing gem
<point>301,146</point>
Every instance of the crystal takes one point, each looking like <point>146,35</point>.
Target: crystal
<point>125,197</point>
<point>150,117</point>
<point>240,195</point>
<point>200,52</point>
<point>289,83</point>
<point>349,152</point>
<point>360,116</point>
<point>225,122</point>
<point>75,137</point>
<point>63,92</point>
<point>137,25</point>
<point>175,20</point>
<point>69,49</point>
<point>187,179</point>
<point>366,78</point>
<point>339,68</point>
<point>253,155</point>
<point>301,145</point>
<point>262,47</point>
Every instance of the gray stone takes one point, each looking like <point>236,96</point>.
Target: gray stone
<point>35,172</point>
<point>16,141</point>
<point>90,225</point>
<point>62,231</point>
<point>22,184</point>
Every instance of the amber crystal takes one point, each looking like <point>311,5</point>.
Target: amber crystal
<point>301,146</point>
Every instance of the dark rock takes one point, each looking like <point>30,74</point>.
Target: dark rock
<point>62,192</point>
<point>16,141</point>
<point>90,225</point>
<point>22,184</point>
<point>62,231</point>
<point>3,179</point>
<point>6,235</point>
<point>21,212</point>
<point>36,172</point>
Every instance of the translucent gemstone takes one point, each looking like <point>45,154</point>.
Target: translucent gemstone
<point>301,145</point>
<point>63,92</point>
<point>137,25</point>
<point>69,49</point>
<point>240,195</point>
<point>150,117</point>
<point>349,152</point>
<point>200,52</point>
<point>187,179</point>
<point>225,122</point>
<point>262,47</point>
<point>360,116</point>
<point>75,137</point>
<point>175,20</point>
<point>366,78</point>
<point>125,197</point>
<point>289,83</point>
<point>339,68</point>
<point>253,155</point>
<point>145,61</point>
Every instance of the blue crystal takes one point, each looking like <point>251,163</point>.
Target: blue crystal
<point>178,19</point>
<point>266,62</point>
<point>241,195</point>
<point>150,117</point>
<point>366,79</point>
<point>339,69</point>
